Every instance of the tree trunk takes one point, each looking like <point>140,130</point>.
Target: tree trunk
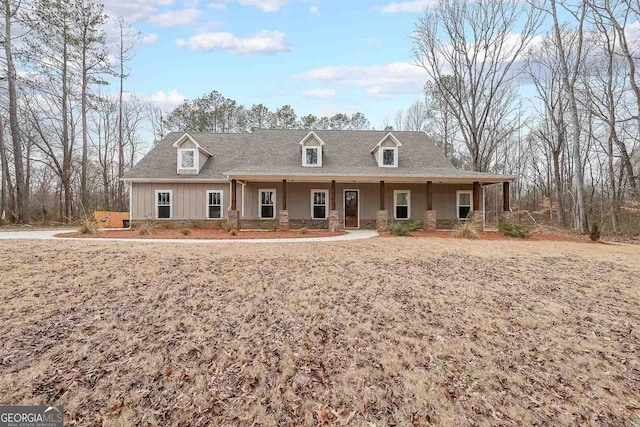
<point>66,158</point>
<point>84,194</point>
<point>120,126</point>
<point>22,198</point>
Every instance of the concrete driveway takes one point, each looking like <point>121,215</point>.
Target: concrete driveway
<point>50,235</point>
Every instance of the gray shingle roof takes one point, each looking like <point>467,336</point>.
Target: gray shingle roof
<point>277,152</point>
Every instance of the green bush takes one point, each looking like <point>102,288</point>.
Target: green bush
<point>185,231</point>
<point>513,229</point>
<point>466,229</point>
<point>399,229</point>
<point>414,225</point>
<point>595,232</point>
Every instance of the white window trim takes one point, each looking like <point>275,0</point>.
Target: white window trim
<point>206,204</point>
<point>395,204</point>
<point>304,156</point>
<point>458,193</point>
<point>275,202</point>
<point>326,203</point>
<point>170,204</point>
<point>196,160</point>
<point>381,157</point>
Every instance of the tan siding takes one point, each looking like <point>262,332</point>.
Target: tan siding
<point>188,200</point>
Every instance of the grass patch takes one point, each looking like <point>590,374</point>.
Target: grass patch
<point>466,229</point>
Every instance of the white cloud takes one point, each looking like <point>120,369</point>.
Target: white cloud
<point>319,93</point>
<point>262,43</point>
<point>133,10</point>
<point>383,81</point>
<point>218,4</point>
<point>313,10</point>
<point>407,6</point>
<point>167,100</point>
<point>176,18</point>
<point>150,38</point>
<point>265,5</point>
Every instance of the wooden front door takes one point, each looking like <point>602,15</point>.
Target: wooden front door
<point>351,210</point>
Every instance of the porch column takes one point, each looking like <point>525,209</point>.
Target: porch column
<point>334,218</point>
<point>233,217</point>
<point>477,216</point>
<point>283,216</point>
<point>382,218</point>
<point>506,216</point>
<point>430,218</point>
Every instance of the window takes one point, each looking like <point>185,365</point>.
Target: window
<point>463,206</point>
<point>312,156</point>
<point>214,204</point>
<point>319,204</point>
<point>402,204</point>
<point>389,156</point>
<point>187,158</point>
<point>163,204</point>
<point>267,201</point>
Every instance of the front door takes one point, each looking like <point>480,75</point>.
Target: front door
<point>351,219</point>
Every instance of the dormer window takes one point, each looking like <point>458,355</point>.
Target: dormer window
<point>386,151</point>
<point>389,156</point>
<point>312,147</point>
<point>311,156</point>
<point>187,158</point>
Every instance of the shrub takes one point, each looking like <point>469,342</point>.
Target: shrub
<point>194,223</point>
<point>414,225</point>
<point>224,225</point>
<point>304,230</point>
<point>88,225</point>
<point>466,229</point>
<point>145,228</point>
<point>185,231</point>
<point>595,232</point>
<point>399,229</point>
<point>234,232</point>
<point>273,225</point>
<point>513,229</point>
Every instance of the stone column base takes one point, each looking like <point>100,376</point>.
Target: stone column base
<point>430,220</point>
<point>382,221</point>
<point>283,220</point>
<point>334,221</point>
<point>234,220</point>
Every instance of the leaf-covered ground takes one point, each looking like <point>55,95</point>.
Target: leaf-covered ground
<point>388,331</point>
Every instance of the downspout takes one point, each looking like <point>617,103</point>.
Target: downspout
<point>244,184</point>
<point>130,185</point>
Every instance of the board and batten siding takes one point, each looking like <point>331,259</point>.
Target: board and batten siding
<point>189,200</point>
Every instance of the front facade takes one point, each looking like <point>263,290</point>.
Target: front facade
<point>319,179</point>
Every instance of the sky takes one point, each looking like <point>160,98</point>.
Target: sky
<point>321,57</point>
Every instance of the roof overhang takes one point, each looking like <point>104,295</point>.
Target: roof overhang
<point>358,178</point>
<point>176,180</point>
<point>194,141</point>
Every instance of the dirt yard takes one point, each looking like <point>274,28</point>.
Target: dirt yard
<point>386,331</point>
<point>205,233</point>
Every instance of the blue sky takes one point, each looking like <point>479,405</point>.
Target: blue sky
<point>321,57</point>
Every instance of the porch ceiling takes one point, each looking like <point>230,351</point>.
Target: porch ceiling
<point>484,179</point>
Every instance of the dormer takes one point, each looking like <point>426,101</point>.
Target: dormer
<point>386,151</point>
<point>191,155</point>
<point>312,146</point>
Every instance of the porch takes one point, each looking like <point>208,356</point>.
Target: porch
<point>338,204</point>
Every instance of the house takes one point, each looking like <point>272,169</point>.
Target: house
<point>315,179</point>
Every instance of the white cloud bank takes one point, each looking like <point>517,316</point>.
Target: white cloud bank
<point>176,18</point>
<point>150,38</point>
<point>263,5</point>
<point>167,100</point>
<point>411,6</point>
<point>262,43</point>
<point>379,80</point>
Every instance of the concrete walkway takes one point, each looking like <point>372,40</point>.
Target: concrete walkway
<point>50,235</point>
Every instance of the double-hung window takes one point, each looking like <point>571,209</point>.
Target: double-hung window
<point>402,204</point>
<point>463,204</point>
<point>267,201</point>
<point>163,204</point>
<point>214,204</point>
<point>319,204</point>
<point>312,156</point>
<point>389,156</point>
<point>187,158</point>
